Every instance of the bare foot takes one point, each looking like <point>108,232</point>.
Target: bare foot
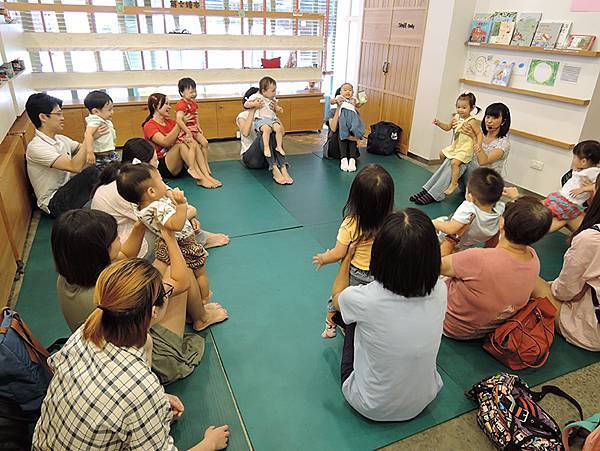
<point>267,152</point>
<point>280,150</point>
<point>207,300</point>
<point>278,177</point>
<point>289,180</point>
<point>213,316</point>
<point>451,189</point>
<point>216,240</point>
<point>196,175</point>
<point>206,183</point>
<point>216,182</point>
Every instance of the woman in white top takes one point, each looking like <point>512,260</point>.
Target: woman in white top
<point>252,147</point>
<point>107,199</point>
<point>388,367</point>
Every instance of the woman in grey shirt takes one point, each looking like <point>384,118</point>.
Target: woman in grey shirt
<point>492,154</point>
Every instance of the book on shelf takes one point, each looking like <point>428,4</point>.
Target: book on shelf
<point>481,26</point>
<point>563,35</point>
<point>580,42</point>
<point>503,25</point>
<point>525,29</point>
<point>502,73</point>
<point>546,34</point>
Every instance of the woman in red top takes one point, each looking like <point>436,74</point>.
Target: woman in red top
<point>162,132</point>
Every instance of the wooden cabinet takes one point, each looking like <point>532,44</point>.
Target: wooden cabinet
<point>227,111</point>
<point>74,122</point>
<point>306,114</point>
<point>207,119</point>
<point>129,119</point>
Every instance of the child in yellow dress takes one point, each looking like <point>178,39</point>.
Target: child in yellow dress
<point>461,150</point>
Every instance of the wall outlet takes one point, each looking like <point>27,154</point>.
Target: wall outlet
<point>537,165</point>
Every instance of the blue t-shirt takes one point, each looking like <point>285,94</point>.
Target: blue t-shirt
<point>395,350</point>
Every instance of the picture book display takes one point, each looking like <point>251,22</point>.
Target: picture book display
<point>547,35</point>
<point>543,72</point>
<point>502,72</point>
<point>563,36</point>
<point>580,42</point>
<point>525,29</point>
<point>503,25</point>
<point>481,27</point>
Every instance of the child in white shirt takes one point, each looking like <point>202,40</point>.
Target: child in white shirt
<point>100,106</point>
<point>567,204</point>
<point>477,219</point>
<point>265,117</point>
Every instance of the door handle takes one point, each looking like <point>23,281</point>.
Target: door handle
<point>386,66</point>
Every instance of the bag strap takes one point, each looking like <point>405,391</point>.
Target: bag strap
<point>537,396</point>
<point>37,353</point>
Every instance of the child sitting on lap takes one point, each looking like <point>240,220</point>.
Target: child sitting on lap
<point>567,204</point>
<point>370,201</point>
<point>351,128</point>
<point>265,117</point>
<point>462,148</point>
<point>477,219</point>
<point>157,204</point>
<point>102,148</point>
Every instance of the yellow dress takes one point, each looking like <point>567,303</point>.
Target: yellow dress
<point>462,145</point>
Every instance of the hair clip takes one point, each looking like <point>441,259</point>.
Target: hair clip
<point>136,161</point>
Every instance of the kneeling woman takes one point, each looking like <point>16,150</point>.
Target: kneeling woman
<point>252,152</point>
<point>389,359</point>
<point>103,394</point>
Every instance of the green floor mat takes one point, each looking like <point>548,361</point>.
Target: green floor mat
<point>320,189</point>
<point>205,395</point>
<point>207,401</point>
<point>284,375</point>
<point>240,207</point>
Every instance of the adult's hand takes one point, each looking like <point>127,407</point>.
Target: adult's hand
<point>468,128</point>
<point>101,130</point>
<point>176,405</point>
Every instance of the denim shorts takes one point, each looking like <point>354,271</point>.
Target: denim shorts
<point>259,122</point>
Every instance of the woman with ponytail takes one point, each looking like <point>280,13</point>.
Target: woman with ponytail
<point>103,394</point>
<point>162,132</point>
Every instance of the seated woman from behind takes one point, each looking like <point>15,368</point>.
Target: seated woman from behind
<point>84,407</point>
<point>388,367</point>
<point>487,286</point>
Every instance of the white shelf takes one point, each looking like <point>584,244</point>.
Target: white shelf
<point>139,79</point>
<point>7,110</point>
<point>134,41</point>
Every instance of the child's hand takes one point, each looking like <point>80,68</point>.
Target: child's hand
<point>278,109</point>
<point>90,158</point>
<point>177,196</point>
<point>436,122</point>
<point>511,191</point>
<point>195,224</point>
<point>189,138</point>
<point>319,260</point>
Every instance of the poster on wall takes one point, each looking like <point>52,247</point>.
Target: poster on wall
<point>480,65</point>
<point>543,72</point>
<point>585,5</point>
<point>570,74</point>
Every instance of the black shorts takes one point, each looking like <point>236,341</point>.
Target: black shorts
<point>164,170</point>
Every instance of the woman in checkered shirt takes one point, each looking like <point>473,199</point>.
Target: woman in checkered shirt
<point>103,394</point>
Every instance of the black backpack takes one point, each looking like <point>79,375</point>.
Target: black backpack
<point>384,138</point>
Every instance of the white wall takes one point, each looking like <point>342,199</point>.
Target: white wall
<point>442,63</point>
<point>444,56</point>
<point>348,35</point>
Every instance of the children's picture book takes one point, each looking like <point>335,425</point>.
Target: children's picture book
<point>481,27</point>
<point>502,72</point>
<point>580,42</point>
<point>546,34</point>
<point>543,72</point>
<point>503,25</point>
<point>479,66</point>
<point>525,28</point>
<point>563,36</point>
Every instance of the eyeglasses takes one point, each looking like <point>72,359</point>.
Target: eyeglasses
<point>58,113</point>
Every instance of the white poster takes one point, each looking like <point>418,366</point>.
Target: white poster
<point>570,74</point>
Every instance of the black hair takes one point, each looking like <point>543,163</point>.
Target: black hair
<point>81,240</point>
<point>592,214</point>
<point>469,97</point>
<point>250,92</point>
<point>526,220</point>
<point>137,148</point>
<point>338,91</point>
<point>589,150</point>
<point>96,99</point>
<point>265,82</point>
<point>185,83</point>
<point>155,102</point>
<point>486,185</point>
<point>40,103</point>
<point>406,254</point>
<point>134,148</point>
<point>497,110</point>
<point>132,181</point>
<point>370,200</point>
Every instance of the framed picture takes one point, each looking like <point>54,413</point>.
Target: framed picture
<point>543,72</point>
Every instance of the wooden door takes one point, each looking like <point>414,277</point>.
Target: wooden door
<point>390,64</point>
<point>127,120</point>
<point>207,118</point>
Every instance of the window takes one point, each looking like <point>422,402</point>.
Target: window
<point>118,60</point>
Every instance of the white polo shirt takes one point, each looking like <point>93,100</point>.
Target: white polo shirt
<point>41,154</point>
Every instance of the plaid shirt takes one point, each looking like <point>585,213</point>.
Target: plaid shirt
<point>103,399</point>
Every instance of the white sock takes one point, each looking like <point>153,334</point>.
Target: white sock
<point>344,164</point>
<point>352,165</point>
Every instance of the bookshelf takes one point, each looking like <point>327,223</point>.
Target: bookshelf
<point>541,139</point>
<point>539,50</point>
<point>527,92</point>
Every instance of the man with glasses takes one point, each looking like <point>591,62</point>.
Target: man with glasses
<point>60,175</point>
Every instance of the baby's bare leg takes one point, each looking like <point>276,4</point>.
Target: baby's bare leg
<point>278,129</point>
<point>455,166</point>
<point>266,135</point>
